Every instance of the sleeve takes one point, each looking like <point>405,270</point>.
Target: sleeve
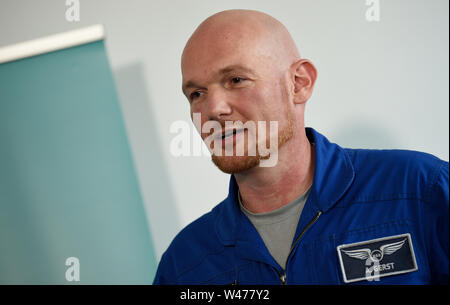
<point>159,279</point>
<point>438,227</point>
<point>163,274</point>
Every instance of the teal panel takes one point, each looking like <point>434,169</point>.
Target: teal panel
<point>67,182</point>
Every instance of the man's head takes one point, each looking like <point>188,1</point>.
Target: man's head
<point>242,65</point>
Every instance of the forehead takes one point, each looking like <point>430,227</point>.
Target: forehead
<point>204,59</point>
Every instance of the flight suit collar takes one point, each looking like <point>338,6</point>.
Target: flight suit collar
<point>333,175</point>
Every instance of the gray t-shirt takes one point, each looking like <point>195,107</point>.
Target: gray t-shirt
<point>277,228</point>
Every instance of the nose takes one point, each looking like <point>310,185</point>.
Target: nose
<point>217,104</point>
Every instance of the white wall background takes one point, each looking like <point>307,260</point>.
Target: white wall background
<point>381,84</point>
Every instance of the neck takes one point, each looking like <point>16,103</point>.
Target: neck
<point>264,189</point>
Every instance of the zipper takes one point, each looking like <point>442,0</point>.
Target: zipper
<point>283,275</point>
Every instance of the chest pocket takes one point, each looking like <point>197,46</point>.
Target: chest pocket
<point>386,253</point>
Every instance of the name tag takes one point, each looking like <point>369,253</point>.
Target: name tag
<point>372,259</point>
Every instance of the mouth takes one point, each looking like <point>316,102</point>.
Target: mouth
<point>228,134</point>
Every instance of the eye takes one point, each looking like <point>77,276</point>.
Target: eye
<point>194,95</point>
<point>237,80</point>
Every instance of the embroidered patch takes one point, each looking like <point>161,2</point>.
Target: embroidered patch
<point>372,259</point>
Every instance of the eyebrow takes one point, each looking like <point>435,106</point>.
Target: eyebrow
<point>226,70</point>
<point>234,68</point>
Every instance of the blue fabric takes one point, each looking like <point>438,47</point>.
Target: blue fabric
<point>362,194</point>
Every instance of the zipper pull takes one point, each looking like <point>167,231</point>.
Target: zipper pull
<point>283,279</point>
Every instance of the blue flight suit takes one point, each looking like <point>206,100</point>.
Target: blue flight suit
<point>372,217</point>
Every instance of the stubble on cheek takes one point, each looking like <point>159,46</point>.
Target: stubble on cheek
<point>236,164</point>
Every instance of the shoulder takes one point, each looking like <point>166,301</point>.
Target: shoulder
<point>395,161</point>
<point>395,172</point>
<point>189,248</point>
<point>394,157</point>
<point>198,232</point>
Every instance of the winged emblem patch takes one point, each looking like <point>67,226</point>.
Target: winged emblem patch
<point>372,259</point>
<point>375,255</point>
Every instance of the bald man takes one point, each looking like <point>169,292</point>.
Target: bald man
<point>320,214</point>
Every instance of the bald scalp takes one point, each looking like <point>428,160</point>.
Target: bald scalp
<point>242,65</point>
<point>246,29</point>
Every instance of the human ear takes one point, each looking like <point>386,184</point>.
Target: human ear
<point>303,76</point>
